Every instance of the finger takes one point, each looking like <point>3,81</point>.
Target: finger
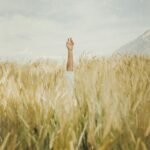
<point>69,39</point>
<point>72,41</point>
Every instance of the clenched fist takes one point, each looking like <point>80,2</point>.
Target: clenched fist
<point>70,44</point>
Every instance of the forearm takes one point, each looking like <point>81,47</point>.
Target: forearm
<point>69,66</point>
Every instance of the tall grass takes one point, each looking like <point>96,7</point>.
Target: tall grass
<point>109,110</point>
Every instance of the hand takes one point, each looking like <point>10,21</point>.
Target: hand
<point>70,44</point>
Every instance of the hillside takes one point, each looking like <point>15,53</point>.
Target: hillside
<point>140,45</point>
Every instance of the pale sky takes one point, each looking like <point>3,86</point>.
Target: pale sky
<point>41,27</point>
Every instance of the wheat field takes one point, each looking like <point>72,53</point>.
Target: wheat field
<point>109,109</point>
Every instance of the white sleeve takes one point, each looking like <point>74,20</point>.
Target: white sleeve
<point>70,79</point>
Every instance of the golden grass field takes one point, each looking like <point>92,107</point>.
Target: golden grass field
<point>110,108</point>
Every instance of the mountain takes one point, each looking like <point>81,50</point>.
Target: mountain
<point>140,45</point>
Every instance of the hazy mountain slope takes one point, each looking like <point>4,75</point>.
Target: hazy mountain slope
<point>141,45</point>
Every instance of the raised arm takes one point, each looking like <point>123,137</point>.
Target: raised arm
<point>69,45</point>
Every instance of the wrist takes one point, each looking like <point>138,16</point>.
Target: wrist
<point>70,50</point>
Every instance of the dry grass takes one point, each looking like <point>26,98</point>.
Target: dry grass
<point>112,110</point>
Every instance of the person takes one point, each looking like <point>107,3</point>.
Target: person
<point>69,73</point>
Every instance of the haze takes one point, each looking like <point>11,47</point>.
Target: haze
<point>41,27</point>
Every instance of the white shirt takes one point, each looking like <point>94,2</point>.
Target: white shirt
<point>70,85</point>
<point>70,79</point>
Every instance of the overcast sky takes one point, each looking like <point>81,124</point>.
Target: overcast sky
<point>41,27</point>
